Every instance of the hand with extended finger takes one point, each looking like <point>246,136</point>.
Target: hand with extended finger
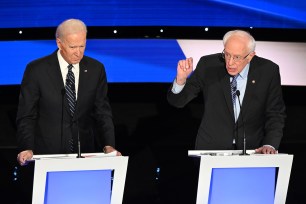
<point>184,69</point>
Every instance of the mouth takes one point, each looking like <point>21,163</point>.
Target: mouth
<point>231,69</point>
<point>76,60</point>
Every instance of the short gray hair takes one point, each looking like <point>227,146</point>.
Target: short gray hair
<point>251,45</point>
<point>70,26</point>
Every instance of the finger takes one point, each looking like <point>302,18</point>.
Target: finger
<point>272,151</point>
<point>258,150</point>
<point>187,63</point>
<point>22,161</point>
<point>264,150</point>
<point>268,150</point>
<point>19,159</point>
<point>181,64</point>
<point>190,62</point>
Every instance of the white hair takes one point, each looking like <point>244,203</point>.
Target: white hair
<point>70,26</point>
<point>251,44</point>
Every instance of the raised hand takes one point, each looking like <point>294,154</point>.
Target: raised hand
<point>184,69</point>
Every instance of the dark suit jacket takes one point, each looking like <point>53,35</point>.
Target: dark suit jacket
<point>263,109</point>
<point>43,121</point>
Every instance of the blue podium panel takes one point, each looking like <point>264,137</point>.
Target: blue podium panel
<point>78,187</point>
<point>242,185</point>
<point>226,176</point>
<point>64,179</point>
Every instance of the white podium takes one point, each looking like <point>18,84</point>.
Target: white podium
<point>96,178</point>
<point>227,177</point>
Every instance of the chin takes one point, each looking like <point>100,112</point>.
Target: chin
<point>231,73</point>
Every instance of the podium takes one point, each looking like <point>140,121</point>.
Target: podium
<point>96,178</point>
<point>227,177</point>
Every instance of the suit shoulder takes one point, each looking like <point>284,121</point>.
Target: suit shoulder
<point>264,61</point>
<point>42,60</point>
<point>91,61</point>
<point>211,62</point>
<point>265,64</point>
<point>212,57</point>
<point>39,61</point>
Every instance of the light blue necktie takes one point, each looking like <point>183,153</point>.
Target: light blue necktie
<point>234,88</point>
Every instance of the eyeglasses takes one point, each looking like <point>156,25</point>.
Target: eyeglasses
<point>236,58</point>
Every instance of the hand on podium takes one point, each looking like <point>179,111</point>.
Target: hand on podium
<point>109,149</point>
<point>24,157</point>
<point>266,149</point>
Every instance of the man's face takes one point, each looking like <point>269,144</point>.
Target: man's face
<point>72,47</point>
<point>236,54</point>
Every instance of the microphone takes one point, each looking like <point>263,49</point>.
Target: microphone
<point>244,137</point>
<point>78,136</point>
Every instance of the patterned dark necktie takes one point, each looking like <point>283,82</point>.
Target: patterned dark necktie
<point>234,88</point>
<point>71,96</point>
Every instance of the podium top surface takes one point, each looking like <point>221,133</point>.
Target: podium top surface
<point>197,153</point>
<point>71,156</point>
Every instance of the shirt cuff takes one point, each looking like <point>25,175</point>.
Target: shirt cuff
<point>176,88</point>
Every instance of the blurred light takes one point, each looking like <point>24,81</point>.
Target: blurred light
<point>157,173</point>
<point>15,173</point>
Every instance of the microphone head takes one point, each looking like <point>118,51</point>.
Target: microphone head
<point>238,93</point>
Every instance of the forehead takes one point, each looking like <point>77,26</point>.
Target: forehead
<point>236,45</point>
<point>75,38</point>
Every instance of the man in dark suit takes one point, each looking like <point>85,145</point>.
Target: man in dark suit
<point>223,125</point>
<point>51,116</point>
<point>45,123</point>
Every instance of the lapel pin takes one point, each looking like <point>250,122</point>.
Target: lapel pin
<point>253,81</point>
<point>85,70</point>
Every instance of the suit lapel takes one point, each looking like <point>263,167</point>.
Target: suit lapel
<point>55,74</point>
<point>83,77</point>
<point>253,78</point>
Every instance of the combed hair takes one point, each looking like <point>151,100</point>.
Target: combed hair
<point>70,26</point>
<point>251,45</point>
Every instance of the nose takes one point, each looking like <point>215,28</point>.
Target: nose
<point>78,50</point>
<point>230,61</point>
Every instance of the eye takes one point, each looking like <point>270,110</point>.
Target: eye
<point>237,58</point>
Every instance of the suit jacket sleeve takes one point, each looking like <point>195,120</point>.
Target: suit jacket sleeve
<point>103,111</point>
<point>274,112</point>
<point>27,110</point>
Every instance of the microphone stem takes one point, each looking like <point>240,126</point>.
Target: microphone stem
<point>244,136</point>
<point>79,146</point>
<point>244,143</point>
<point>79,142</point>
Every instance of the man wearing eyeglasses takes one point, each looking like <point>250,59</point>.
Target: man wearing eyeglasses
<point>243,102</point>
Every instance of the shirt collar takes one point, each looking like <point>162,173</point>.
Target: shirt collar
<point>244,73</point>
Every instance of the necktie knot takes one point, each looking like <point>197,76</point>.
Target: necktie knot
<point>70,67</point>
